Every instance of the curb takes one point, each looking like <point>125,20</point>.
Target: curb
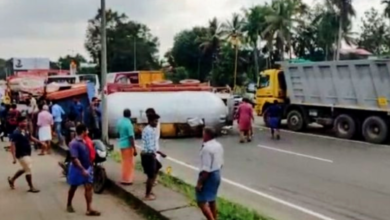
<point>172,206</point>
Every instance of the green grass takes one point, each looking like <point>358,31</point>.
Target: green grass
<point>227,210</point>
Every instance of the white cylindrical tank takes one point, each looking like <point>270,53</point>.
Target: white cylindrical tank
<point>173,107</point>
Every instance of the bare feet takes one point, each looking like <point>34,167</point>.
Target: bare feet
<point>11,183</point>
<point>150,197</point>
<point>70,209</point>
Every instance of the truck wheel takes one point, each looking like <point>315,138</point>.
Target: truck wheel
<point>345,127</point>
<point>375,130</point>
<point>295,121</point>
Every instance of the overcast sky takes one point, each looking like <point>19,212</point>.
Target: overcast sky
<point>51,28</point>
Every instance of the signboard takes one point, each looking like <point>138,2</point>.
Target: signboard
<point>30,63</point>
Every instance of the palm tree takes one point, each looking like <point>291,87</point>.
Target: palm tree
<point>281,22</point>
<point>345,12</point>
<point>254,26</point>
<point>232,30</point>
<point>210,43</point>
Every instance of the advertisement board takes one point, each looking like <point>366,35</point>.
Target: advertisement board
<point>30,63</point>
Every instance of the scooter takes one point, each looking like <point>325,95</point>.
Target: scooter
<point>99,172</point>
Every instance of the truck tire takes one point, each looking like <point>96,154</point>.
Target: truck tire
<point>345,127</point>
<point>375,130</point>
<point>296,121</point>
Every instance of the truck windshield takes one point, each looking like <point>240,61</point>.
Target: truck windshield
<point>263,81</point>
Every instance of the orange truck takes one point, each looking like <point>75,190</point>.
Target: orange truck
<point>140,78</point>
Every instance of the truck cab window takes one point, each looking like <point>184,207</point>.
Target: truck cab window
<point>263,81</point>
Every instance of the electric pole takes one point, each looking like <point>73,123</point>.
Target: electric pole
<point>104,71</point>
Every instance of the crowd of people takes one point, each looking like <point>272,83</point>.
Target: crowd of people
<point>46,123</point>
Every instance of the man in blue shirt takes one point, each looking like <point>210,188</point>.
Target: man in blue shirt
<point>77,109</point>
<point>57,112</point>
<point>80,170</point>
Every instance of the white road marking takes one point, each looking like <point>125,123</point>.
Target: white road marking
<point>324,137</point>
<point>296,154</point>
<point>259,193</point>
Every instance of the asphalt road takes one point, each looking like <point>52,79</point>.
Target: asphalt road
<point>50,203</point>
<point>297,178</point>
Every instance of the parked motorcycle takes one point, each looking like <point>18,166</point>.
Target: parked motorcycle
<point>99,172</point>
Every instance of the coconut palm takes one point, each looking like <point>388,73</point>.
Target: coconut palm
<point>254,26</point>
<point>232,31</point>
<point>345,12</point>
<point>281,22</point>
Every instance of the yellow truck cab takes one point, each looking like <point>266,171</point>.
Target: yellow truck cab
<point>271,86</point>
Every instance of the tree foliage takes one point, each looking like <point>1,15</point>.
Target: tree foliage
<point>126,40</point>
<point>374,35</point>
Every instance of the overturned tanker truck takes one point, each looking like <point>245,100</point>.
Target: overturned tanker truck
<point>184,108</point>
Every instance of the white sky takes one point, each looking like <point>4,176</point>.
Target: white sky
<point>52,28</point>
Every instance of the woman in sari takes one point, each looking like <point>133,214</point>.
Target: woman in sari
<point>244,119</point>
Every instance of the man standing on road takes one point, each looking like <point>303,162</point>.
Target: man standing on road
<point>95,118</point>
<point>126,143</point>
<point>80,170</point>
<point>21,151</point>
<point>211,161</point>
<point>57,113</point>
<point>149,153</point>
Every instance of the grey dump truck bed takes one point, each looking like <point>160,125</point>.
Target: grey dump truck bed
<point>357,84</point>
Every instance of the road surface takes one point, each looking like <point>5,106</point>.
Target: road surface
<point>50,203</point>
<point>300,177</point>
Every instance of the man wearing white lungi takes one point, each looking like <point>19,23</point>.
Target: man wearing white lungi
<point>45,123</point>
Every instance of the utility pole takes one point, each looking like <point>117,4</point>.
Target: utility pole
<point>135,53</point>
<point>104,71</point>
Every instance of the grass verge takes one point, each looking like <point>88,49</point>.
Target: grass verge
<point>227,210</point>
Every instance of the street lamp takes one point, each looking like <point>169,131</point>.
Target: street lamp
<point>104,71</point>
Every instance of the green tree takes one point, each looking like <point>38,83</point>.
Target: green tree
<point>129,43</point>
<point>374,35</point>
<point>64,62</point>
<point>177,74</point>
<point>233,31</point>
<point>187,52</point>
<point>345,12</point>
<point>281,22</point>
<point>255,25</point>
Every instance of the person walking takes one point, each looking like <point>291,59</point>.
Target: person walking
<point>80,170</point>
<point>274,117</point>
<point>126,143</point>
<point>211,162</point>
<point>21,151</point>
<point>58,112</point>
<point>160,155</point>
<point>148,155</point>
<point>244,119</point>
<point>45,122</point>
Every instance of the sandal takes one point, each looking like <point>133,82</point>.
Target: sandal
<point>150,198</point>
<point>11,184</point>
<point>41,154</point>
<point>126,183</point>
<point>33,191</point>
<point>93,213</point>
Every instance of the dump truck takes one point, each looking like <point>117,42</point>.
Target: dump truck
<point>351,97</point>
